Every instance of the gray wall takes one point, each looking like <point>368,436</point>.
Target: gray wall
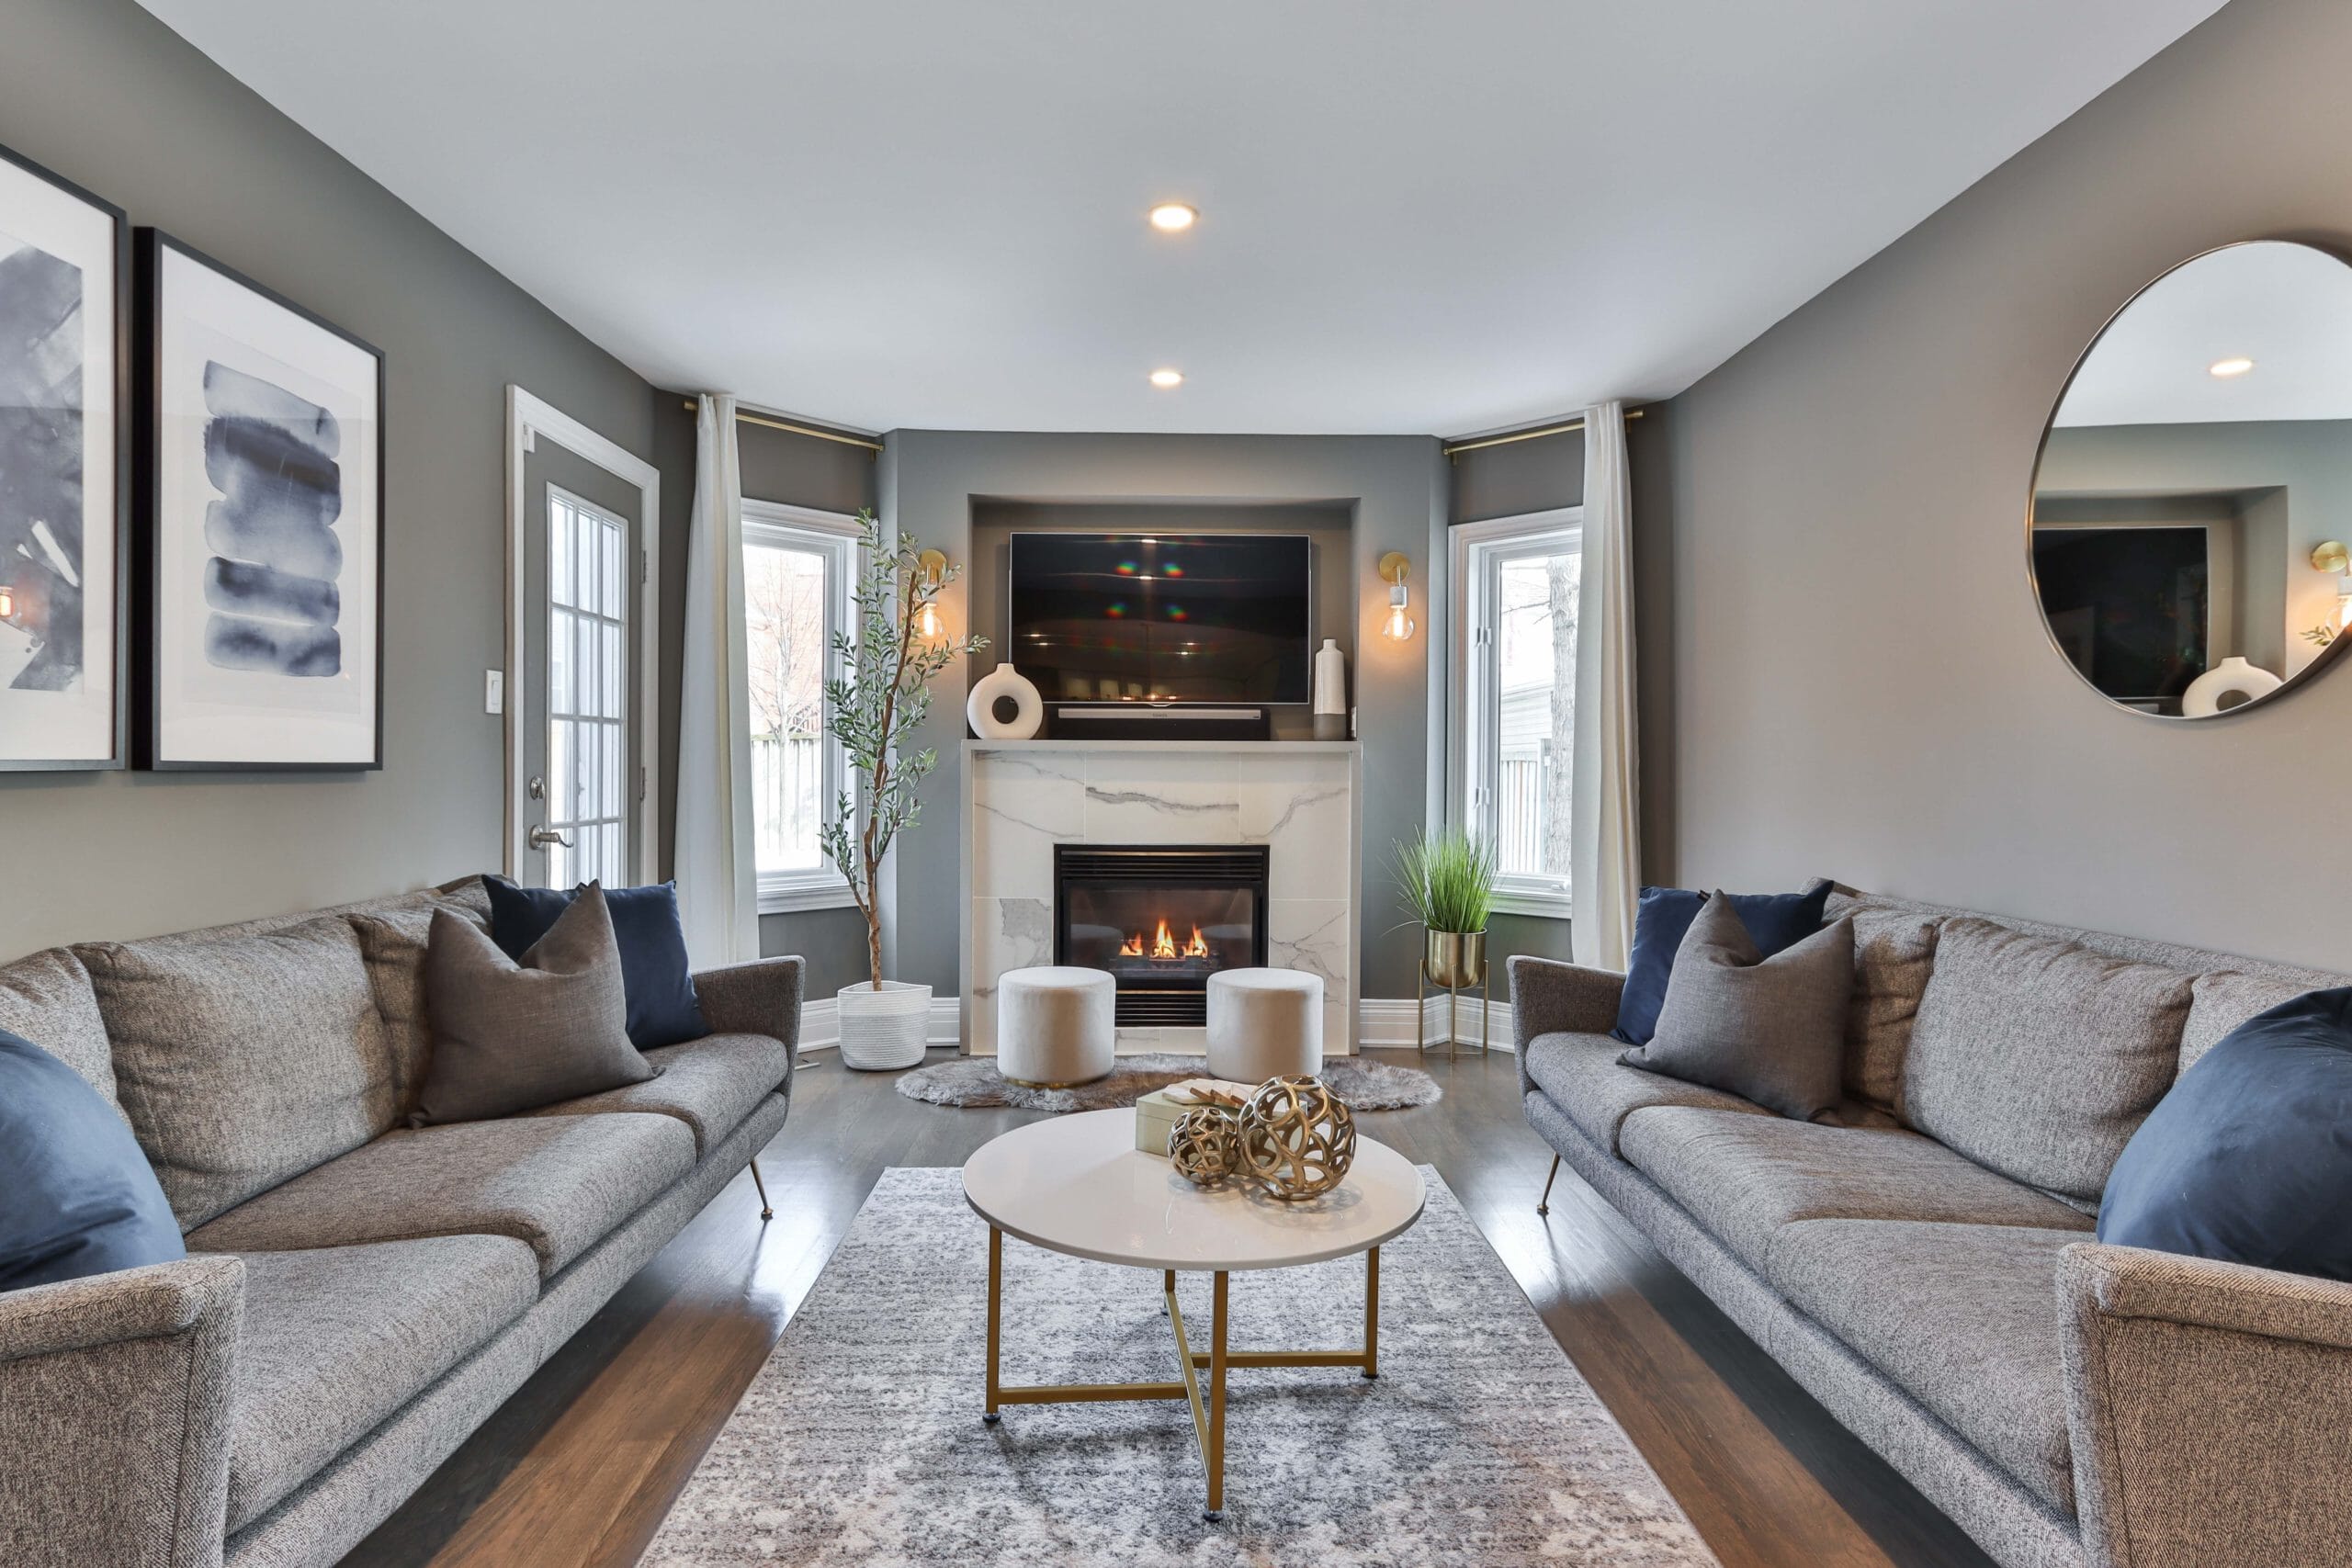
<point>1861,685</point>
<point>1398,486</point>
<point>108,96</point>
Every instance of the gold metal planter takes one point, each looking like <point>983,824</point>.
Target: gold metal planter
<point>1454,960</point>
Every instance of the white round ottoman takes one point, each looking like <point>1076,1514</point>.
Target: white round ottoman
<point>1054,1025</point>
<point>1265,1024</point>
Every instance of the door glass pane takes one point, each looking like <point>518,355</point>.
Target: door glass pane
<point>560,663</point>
<point>1534,640</point>
<point>784,598</point>
<point>560,553</point>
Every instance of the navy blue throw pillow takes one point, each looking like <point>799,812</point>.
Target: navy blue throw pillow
<point>1774,921</point>
<point>80,1199</point>
<point>663,1007</point>
<point>2249,1158</point>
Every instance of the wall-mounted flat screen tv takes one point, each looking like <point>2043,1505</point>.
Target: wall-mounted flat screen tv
<point>1163,617</point>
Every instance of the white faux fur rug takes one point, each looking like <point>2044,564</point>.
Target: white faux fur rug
<point>861,1442</point>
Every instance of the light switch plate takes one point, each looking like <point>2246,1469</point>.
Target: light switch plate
<point>494,691</point>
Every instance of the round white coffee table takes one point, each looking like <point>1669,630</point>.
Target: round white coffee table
<point>1078,1185</point>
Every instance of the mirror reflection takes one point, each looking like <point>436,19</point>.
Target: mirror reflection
<point>2195,486</point>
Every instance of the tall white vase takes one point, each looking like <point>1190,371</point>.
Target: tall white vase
<point>1330,692</point>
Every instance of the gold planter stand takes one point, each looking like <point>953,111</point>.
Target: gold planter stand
<point>1456,960</point>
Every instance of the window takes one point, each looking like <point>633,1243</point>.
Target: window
<point>796,569</point>
<point>1515,582</point>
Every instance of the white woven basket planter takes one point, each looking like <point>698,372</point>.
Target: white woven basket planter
<point>884,1031</point>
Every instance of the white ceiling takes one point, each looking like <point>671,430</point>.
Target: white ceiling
<point>1416,216</point>
<point>2286,306</point>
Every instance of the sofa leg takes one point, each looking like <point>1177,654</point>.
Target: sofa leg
<point>768,1213</point>
<point>1542,1204</point>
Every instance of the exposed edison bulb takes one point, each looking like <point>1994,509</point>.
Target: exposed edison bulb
<point>927,620</point>
<point>7,601</point>
<point>1398,626</point>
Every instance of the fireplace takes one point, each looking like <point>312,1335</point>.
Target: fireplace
<point>1163,921</point>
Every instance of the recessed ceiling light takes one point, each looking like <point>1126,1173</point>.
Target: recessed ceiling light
<point>1167,379</point>
<point>2225,368</point>
<point>1172,217</point>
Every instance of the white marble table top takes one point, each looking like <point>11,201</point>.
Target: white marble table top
<point>1078,1184</point>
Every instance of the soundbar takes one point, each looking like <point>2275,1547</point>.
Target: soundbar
<point>1127,721</point>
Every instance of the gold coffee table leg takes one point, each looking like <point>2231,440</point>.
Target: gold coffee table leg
<point>996,1312</point>
<point>1372,1312</point>
<point>1215,1457</point>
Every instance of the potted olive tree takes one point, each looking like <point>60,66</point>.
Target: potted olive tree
<point>1447,880</point>
<point>874,708</point>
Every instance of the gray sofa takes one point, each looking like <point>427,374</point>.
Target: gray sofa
<point>1927,1270</point>
<point>358,1296</point>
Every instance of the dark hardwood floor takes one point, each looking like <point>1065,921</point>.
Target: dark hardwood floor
<point>577,1469</point>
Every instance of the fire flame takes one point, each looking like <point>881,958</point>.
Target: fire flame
<point>1163,945</point>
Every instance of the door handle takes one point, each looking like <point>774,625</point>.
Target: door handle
<point>542,837</point>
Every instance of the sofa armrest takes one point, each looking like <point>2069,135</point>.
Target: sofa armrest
<point>759,998</point>
<point>1548,997</point>
<point>2206,1405</point>
<point>114,1417</point>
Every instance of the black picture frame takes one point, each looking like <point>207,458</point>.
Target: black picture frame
<point>151,750</point>
<point>115,592</point>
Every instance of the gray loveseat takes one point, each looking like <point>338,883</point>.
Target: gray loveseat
<point>1928,1269</point>
<point>358,1296</point>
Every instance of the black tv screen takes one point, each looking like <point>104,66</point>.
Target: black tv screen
<point>1163,617</point>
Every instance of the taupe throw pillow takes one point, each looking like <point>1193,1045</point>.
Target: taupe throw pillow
<point>511,1036</point>
<point>1770,1029</point>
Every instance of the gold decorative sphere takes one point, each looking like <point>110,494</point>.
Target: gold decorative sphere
<point>1297,1138</point>
<point>1205,1146</point>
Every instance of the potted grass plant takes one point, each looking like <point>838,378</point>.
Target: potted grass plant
<point>874,707</point>
<point>1447,880</point>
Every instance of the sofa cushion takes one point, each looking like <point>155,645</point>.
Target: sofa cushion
<point>47,998</point>
<point>511,1035</point>
<point>2247,1159</point>
<point>1962,1318</point>
<point>709,1084</point>
<point>2038,1057</point>
<point>76,1195</point>
<point>393,941</point>
<point>662,1009</point>
<point>336,1339</point>
<point>1894,951</point>
<point>1771,1029</point>
<point>1582,1075</point>
<point>2219,1001</point>
<point>1664,916</point>
<point>1746,1178</point>
<point>561,1183</point>
<point>246,1060</point>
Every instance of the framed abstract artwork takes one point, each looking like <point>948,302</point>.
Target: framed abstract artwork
<point>262,502</point>
<point>64,471</point>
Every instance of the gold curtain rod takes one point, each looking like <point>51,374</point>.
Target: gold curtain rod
<point>743,418</point>
<point>1455,448</point>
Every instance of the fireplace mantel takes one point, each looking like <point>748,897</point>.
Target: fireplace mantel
<point>1302,799</point>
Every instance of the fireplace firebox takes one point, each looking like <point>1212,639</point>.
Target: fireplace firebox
<point>1161,920</point>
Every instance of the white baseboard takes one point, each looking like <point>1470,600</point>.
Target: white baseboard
<point>821,1024</point>
<point>1392,1022</point>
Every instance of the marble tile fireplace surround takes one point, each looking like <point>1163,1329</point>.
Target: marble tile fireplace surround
<point>1300,799</point>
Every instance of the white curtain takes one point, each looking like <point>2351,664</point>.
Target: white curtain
<point>1605,811</point>
<point>718,877</point>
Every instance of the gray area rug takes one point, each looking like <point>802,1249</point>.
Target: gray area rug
<point>860,1442</point>
<point>973,1081</point>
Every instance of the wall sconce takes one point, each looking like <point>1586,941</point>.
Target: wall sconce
<point>1394,568</point>
<point>931,574</point>
<point>2334,559</point>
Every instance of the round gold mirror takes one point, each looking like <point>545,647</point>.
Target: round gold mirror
<point>2194,490</point>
